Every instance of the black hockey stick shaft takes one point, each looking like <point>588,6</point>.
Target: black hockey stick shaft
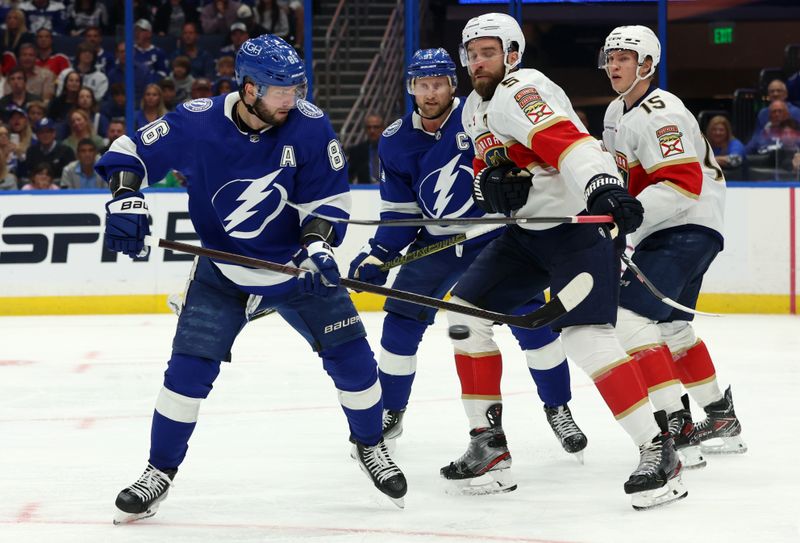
<point>424,221</point>
<point>437,246</point>
<point>569,297</point>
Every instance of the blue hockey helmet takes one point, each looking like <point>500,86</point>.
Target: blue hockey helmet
<point>430,63</point>
<point>269,61</point>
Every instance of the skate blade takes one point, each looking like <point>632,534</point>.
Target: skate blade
<point>121,517</point>
<point>692,457</point>
<point>650,499</point>
<point>579,457</point>
<point>724,445</point>
<point>399,502</point>
<point>492,482</point>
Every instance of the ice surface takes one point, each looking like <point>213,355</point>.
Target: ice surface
<point>269,459</point>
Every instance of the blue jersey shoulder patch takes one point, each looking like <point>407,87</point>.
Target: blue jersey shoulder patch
<point>199,104</point>
<point>309,110</point>
<point>392,129</point>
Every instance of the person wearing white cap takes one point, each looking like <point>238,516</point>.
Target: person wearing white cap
<point>238,36</point>
<point>145,53</point>
<point>218,16</point>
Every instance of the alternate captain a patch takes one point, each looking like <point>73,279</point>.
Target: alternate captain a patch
<point>491,150</point>
<point>532,104</point>
<point>669,140</point>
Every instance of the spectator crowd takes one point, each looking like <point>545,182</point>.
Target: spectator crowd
<point>59,112</point>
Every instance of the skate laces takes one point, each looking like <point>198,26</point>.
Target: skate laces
<point>378,462</point>
<point>150,484</point>
<point>650,458</point>
<point>561,421</point>
<point>389,419</point>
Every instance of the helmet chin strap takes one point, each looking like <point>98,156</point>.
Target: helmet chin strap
<point>636,81</point>
<point>251,109</point>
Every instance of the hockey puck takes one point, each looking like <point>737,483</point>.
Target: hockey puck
<point>458,331</point>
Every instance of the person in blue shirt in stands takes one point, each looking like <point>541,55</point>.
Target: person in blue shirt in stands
<point>727,148</point>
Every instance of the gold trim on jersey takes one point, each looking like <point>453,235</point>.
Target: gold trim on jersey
<point>570,147</point>
<point>682,190</point>
<point>547,124</point>
<point>677,161</point>
<point>596,375</point>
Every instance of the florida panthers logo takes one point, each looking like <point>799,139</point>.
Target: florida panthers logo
<point>247,206</point>
<point>532,104</point>
<point>440,187</point>
<point>669,140</point>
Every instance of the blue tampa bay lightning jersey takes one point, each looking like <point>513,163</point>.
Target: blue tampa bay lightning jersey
<point>425,174</point>
<point>238,183</point>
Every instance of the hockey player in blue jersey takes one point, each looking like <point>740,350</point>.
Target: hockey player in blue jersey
<point>426,170</point>
<point>244,155</point>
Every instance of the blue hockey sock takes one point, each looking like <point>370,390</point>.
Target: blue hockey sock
<point>553,385</point>
<point>396,390</point>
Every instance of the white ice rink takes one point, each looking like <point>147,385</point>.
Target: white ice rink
<point>269,459</point>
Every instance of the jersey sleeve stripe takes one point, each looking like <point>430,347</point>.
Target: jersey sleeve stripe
<point>668,163</point>
<point>410,208</point>
<point>544,126</point>
<point>572,146</point>
<point>682,190</point>
<point>126,146</point>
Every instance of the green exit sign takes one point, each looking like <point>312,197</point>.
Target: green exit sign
<point>722,34</point>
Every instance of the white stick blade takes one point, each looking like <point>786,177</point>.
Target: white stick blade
<point>576,290</point>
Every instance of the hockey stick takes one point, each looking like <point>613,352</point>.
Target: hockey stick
<point>570,296</point>
<point>657,293</point>
<point>438,246</point>
<point>569,219</point>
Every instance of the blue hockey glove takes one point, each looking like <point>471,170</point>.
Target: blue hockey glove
<point>366,266</point>
<point>606,195</point>
<point>501,189</point>
<point>323,277</point>
<point>127,223</point>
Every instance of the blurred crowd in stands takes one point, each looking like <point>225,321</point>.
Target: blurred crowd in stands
<point>63,97</point>
<point>62,74</point>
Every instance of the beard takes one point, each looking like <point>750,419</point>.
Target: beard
<point>486,87</point>
<point>269,117</point>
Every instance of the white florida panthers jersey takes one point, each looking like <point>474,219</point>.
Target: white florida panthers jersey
<point>530,121</point>
<point>667,163</point>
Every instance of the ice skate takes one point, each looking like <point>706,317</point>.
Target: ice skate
<point>142,498</point>
<point>681,428</point>
<point>719,432</point>
<point>486,466</point>
<point>572,439</point>
<point>657,479</point>
<point>392,427</point>
<point>380,468</point>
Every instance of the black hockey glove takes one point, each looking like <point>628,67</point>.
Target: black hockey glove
<point>501,189</point>
<point>606,195</point>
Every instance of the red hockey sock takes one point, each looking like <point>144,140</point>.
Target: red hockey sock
<point>695,366</point>
<point>480,375</point>
<point>657,367</point>
<point>623,388</point>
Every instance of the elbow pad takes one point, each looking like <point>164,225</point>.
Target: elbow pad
<point>317,230</point>
<point>124,181</point>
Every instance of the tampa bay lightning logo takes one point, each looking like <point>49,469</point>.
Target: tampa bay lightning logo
<point>440,187</point>
<point>392,129</point>
<point>247,206</point>
<point>198,105</point>
<point>309,110</point>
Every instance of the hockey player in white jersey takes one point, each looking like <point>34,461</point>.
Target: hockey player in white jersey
<point>534,157</point>
<point>670,168</point>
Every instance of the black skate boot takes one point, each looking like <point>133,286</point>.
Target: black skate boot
<point>392,424</point>
<point>381,469</point>
<point>142,498</point>
<point>657,479</point>
<point>571,437</point>
<point>485,467</point>
<point>681,428</point>
<point>721,426</point>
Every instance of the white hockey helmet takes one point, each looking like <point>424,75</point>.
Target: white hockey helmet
<point>636,38</point>
<point>493,25</point>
